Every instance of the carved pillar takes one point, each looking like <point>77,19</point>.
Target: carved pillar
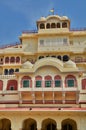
<point>63,90</point>
<point>43,85</point>
<point>33,89</point>
<point>59,125</point>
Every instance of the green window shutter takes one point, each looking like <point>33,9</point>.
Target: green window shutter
<point>70,83</point>
<point>57,83</point>
<point>38,83</point>
<point>48,83</point>
<point>26,83</point>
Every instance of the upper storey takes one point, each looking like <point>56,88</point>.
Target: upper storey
<point>53,23</point>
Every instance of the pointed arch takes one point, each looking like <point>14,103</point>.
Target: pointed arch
<point>12,85</point>
<point>26,82</point>
<point>29,124</point>
<point>57,81</point>
<point>5,124</point>
<point>38,81</point>
<point>49,124</point>
<point>69,124</point>
<point>48,81</point>
<point>70,81</point>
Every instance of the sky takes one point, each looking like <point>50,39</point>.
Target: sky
<point>19,15</point>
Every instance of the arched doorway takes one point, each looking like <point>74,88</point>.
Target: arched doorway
<point>5,124</point>
<point>49,124</point>
<point>29,124</point>
<point>69,124</point>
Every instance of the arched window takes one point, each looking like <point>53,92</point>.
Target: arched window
<point>7,60</point>
<point>53,25</point>
<point>6,72</point>
<point>53,56</point>
<point>29,124</point>
<point>26,82</point>
<point>48,81</point>
<point>16,70</point>
<point>65,58</point>
<point>5,124</point>
<point>49,124</point>
<point>11,71</point>
<point>12,85</point>
<point>48,25</point>
<point>59,57</point>
<point>64,25</point>
<point>83,83</point>
<point>69,124</point>
<point>70,81</point>
<point>1,61</point>
<point>38,80</point>
<point>18,59</point>
<point>58,25</point>
<point>57,81</point>
<point>42,26</point>
<point>40,57</point>
<point>12,60</point>
<point>1,85</point>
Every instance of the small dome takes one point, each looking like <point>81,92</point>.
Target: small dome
<point>42,18</point>
<point>27,65</point>
<point>70,64</point>
<point>64,17</point>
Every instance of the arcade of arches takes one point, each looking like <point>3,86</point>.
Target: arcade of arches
<point>47,124</point>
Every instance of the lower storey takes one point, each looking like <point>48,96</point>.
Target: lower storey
<point>42,119</point>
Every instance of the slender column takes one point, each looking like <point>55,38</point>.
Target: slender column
<point>5,85</point>
<point>53,86</point>
<point>19,83</point>
<point>59,125</point>
<point>43,90</point>
<point>63,82</point>
<point>63,90</point>
<point>63,96</point>
<point>33,89</point>
<point>20,98</point>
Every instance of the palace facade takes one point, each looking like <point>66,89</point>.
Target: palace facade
<point>43,79</point>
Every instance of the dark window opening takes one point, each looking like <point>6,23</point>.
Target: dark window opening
<point>7,60</point>
<point>48,25</point>
<point>64,25</point>
<point>17,70</point>
<point>42,26</point>
<point>58,25</point>
<point>65,58</point>
<point>11,71</point>
<point>11,87</point>
<point>53,25</point>
<point>40,57</point>
<point>6,72</point>
<point>59,57</point>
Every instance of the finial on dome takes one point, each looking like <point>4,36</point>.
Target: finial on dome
<point>52,11</point>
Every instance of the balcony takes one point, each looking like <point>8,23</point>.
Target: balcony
<point>56,97</point>
<point>62,48</point>
<point>50,89</point>
<point>7,76</point>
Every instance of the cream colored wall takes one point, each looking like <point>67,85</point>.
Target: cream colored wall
<point>79,40</point>
<point>30,45</point>
<point>17,118</point>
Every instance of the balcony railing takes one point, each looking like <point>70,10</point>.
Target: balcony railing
<point>29,31</point>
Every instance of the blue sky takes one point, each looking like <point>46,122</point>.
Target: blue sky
<point>19,15</point>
